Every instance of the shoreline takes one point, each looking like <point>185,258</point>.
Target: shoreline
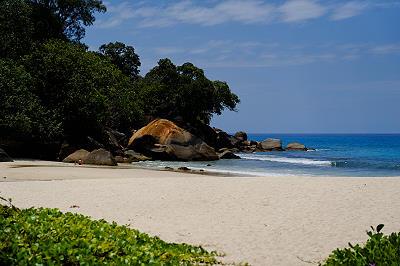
<point>285,220</point>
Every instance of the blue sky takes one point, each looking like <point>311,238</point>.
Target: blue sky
<point>299,66</point>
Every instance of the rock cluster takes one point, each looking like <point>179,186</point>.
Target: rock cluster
<point>163,139</point>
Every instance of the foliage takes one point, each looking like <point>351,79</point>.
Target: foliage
<point>25,23</point>
<point>85,91</point>
<point>171,91</point>
<point>380,249</point>
<point>21,113</point>
<point>16,28</point>
<point>70,16</point>
<point>123,56</point>
<point>49,237</point>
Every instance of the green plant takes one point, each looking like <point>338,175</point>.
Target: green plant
<point>379,250</point>
<point>49,237</point>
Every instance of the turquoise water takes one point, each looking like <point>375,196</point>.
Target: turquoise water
<point>334,155</point>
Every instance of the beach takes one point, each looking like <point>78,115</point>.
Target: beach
<point>270,220</point>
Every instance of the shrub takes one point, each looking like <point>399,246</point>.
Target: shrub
<point>380,249</point>
<point>47,237</point>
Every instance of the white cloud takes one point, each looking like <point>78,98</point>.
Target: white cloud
<point>209,13</point>
<point>300,10</point>
<point>231,54</point>
<point>349,10</point>
<point>386,49</point>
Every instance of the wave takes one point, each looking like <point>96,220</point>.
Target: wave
<point>303,161</point>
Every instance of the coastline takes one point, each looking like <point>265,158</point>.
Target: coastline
<point>285,220</point>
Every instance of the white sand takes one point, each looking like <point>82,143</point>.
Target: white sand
<point>260,220</point>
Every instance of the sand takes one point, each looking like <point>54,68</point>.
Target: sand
<point>260,220</point>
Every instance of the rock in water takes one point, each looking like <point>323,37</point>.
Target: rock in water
<point>241,136</point>
<point>100,157</point>
<point>79,155</point>
<point>271,145</point>
<point>228,155</point>
<point>295,146</point>
<point>164,140</point>
<point>4,156</point>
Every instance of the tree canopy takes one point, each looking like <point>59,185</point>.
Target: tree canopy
<point>25,23</point>
<point>184,91</point>
<point>71,15</point>
<point>123,56</point>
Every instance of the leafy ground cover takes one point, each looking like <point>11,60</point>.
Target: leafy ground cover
<point>379,250</point>
<point>49,237</point>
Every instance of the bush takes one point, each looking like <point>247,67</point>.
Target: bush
<point>380,249</point>
<point>48,237</point>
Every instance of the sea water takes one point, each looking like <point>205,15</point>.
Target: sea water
<point>334,155</point>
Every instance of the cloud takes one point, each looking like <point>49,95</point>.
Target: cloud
<point>300,10</point>
<point>209,13</point>
<point>349,10</point>
<point>233,54</point>
<point>386,49</point>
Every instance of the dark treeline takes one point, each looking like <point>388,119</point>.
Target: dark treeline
<point>53,89</point>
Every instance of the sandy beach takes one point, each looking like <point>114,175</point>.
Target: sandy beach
<point>287,220</point>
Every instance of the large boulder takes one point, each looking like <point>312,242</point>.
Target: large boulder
<point>241,136</point>
<point>77,156</point>
<point>295,146</point>
<point>223,139</point>
<point>270,145</point>
<point>164,140</point>
<point>4,156</point>
<point>100,157</point>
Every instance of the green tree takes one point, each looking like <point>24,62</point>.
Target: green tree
<point>184,91</point>
<point>16,28</point>
<point>25,23</point>
<point>123,56</point>
<point>22,116</point>
<point>72,15</point>
<point>86,91</point>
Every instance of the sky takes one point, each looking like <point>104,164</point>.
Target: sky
<point>298,66</point>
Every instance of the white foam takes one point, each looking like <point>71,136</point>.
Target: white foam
<point>303,161</point>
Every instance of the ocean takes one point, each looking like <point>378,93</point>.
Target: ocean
<point>335,155</point>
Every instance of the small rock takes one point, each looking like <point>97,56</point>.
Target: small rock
<point>168,168</point>
<point>241,136</point>
<point>295,146</point>
<point>75,157</point>
<point>183,168</point>
<point>271,145</point>
<point>135,156</point>
<point>100,157</point>
<point>121,159</point>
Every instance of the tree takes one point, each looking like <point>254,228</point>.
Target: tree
<point>184,91</point>
<point>85,91</point>
<point>72,15</point>
<point>124,57</point>
<point>22,116</point>
<point>26,23</point>
<point>16,28</point>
